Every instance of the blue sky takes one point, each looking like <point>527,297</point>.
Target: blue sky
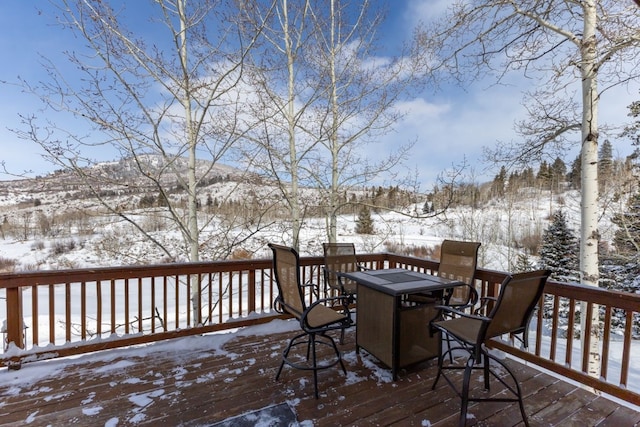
<point>448,126</point>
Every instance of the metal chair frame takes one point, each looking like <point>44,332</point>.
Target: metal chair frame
<point>315,319</point>
<point>471,332</point>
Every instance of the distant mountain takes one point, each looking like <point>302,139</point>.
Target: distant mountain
<point>115,178</point>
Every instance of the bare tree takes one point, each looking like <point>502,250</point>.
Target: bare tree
<point>324,95</point>
<point>359,94</point>
<point>561,44</point>
<point>167,103</point>
<point>282,100</point>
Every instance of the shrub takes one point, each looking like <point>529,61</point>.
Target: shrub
<point>60,247</point>
<point>7,264</point>
<point>411,250</point>
<point>364,223</point>
<point>241,254</point>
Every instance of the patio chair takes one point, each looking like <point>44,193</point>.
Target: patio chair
<point>340,258</point>
<point>510,314</point>
<point>315,319</point>
<point>458,261</point>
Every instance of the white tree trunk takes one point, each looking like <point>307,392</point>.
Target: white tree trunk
<point>192,208</point>
<point>333,143</point>
<point>291,122</point>
<point>589,234</point>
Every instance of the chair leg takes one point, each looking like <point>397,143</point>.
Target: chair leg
<point>465,391</point>
<point>311,340</point>
<point>448,338</point>
<point>280,370</point>
<point>486,359</point>
<point>517,391</point>
<point>315,366</point>
<point>521,404</point>
<point>284,357</point>
<point>347,312</point>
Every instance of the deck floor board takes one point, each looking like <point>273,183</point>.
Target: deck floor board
<point>197,385</point>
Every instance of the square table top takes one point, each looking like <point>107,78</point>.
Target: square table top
<point>398,281</point>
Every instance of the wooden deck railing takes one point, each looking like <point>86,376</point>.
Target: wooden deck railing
<point>60,313</point>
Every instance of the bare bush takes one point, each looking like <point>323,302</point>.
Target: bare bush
<point>531,243</point>
<point>420,251</point>
<point>28,267</point>
<point>7,265</point>
<point>60,247</point>
<point>154,222</point>
<point>241,254</point>
<point>44,224</point>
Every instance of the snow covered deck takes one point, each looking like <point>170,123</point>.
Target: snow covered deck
<point>207,379</point>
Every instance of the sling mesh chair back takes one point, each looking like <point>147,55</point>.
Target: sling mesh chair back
<point>315,319</point>
<point>511,313</point>
<point>340,258</point>
<point>458,261</point>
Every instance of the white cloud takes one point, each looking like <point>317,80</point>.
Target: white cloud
<point>425,10</point>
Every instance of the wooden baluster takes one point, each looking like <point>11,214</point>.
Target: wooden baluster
<point>140,312</point>
<point>52,314</point>
<point>252,291</point>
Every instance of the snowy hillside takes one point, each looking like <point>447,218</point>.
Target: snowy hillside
<point>52,223</point>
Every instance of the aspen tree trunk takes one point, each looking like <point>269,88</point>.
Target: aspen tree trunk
<point>589,155</point>
<point>192,208</point>
<point>291,123</point>
<point>333,143</point>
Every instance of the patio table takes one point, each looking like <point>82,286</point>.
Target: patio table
<point>389,328</point>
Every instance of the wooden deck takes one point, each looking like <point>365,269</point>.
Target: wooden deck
<point>203,380</point>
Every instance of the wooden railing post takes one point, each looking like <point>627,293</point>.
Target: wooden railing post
<point>15,325</point>
<point>15,332</point>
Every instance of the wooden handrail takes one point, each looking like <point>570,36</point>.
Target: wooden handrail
<point>86,310</point>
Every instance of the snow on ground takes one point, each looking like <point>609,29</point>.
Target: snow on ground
<point>487,225</point>
<point>213,344</point>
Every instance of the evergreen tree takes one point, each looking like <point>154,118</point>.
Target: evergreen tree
<point>559,250</point>
<point>523,264</point>
<point>498,184</point>
<point>605,165</point>
<point>559,253</point>
<point>528,178</point>
<point>544,176</point>
<point>574,174</point>
<point>558,172</point>
<point>364,223</point>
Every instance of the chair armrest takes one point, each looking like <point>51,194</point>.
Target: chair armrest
<point>315,288</point>
<point>473,295</point>
<point>484,302</point>
<point>458,313</point>
<point>278,305</point>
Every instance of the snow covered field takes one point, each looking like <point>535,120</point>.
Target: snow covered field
<point>492,225</point>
